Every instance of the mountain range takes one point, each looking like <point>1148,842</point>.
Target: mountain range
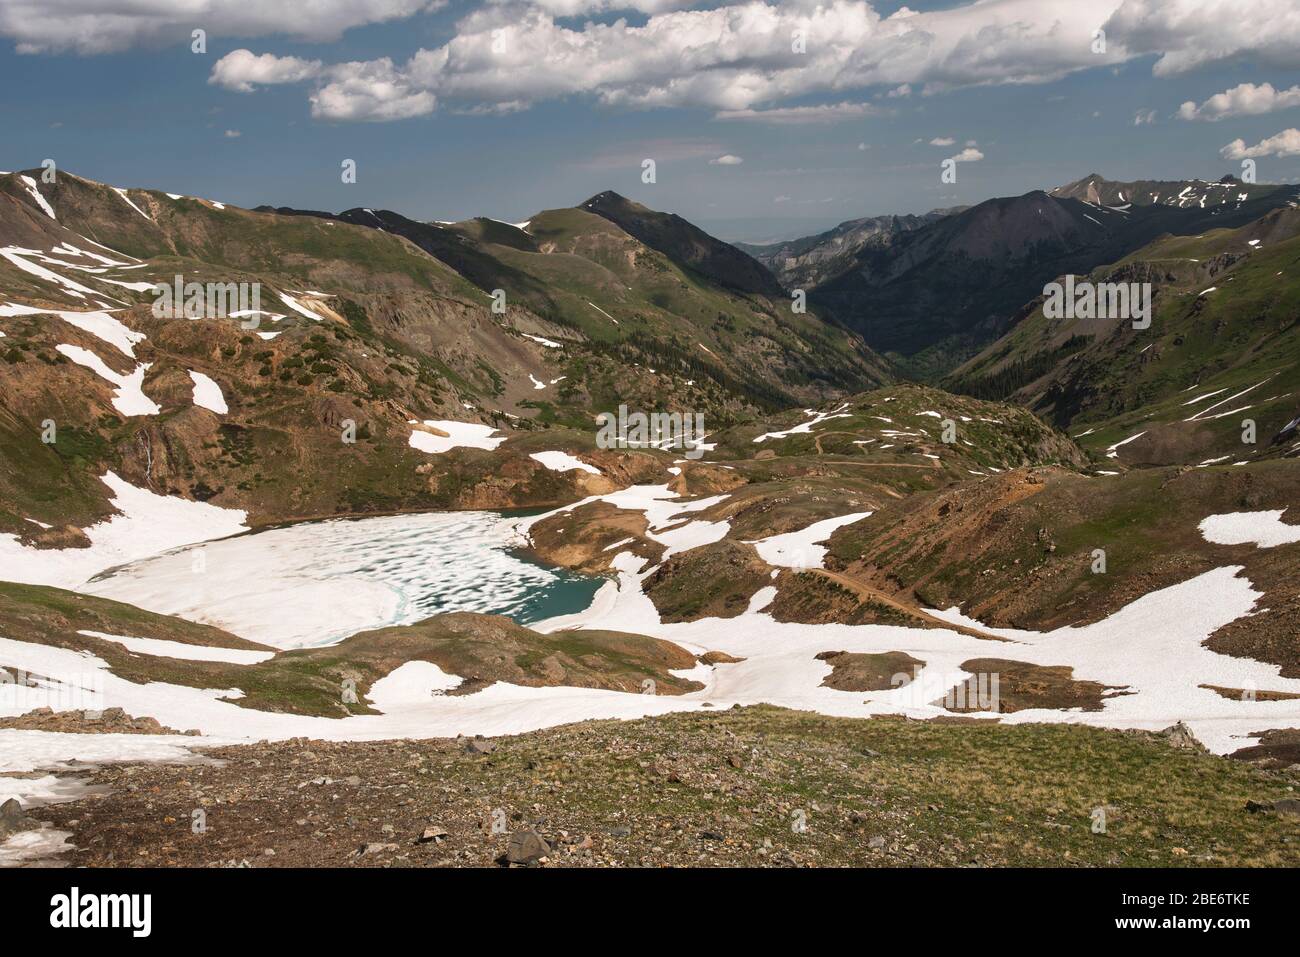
<point>592,317</point>
<point>606,302</point>
<point>804,263</point>
<point>931,295</point>
<point>930,472</point>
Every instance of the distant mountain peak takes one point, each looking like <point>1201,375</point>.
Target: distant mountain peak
<point>1078,186</point>
<point>609,199</point>
<point>685,244</point>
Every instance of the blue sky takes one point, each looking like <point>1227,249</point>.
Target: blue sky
<point>1014,82</point>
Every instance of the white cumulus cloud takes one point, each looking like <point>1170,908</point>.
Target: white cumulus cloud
<point>1245,99</point>
<point>734,58</point>
<point>243,70</point>
<point>738,58</point>
<point>1286,143</point>
<point>1187,34</point>
<point>108,26</point>
<point>371,90</point>
<point>366,90</point>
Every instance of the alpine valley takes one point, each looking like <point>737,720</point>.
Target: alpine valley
<point>353,569</point>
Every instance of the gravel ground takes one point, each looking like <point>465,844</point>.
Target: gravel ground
<point>747,787</point>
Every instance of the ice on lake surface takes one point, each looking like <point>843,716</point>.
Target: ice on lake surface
<point>317,582</point>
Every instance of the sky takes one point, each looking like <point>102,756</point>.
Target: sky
<point>765,120</point>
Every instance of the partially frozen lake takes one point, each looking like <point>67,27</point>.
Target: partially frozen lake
<point>318,582</point>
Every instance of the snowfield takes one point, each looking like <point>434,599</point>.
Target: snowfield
<point>310,584</point>
<point>661,510</point>
<point>1151,648</point>
<point>147,524</point>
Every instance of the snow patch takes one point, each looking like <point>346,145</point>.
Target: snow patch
<point>129,397</point>
<point>1266,529</point>
<point>99,324</point>
<point>162,648</point>
<point>127,199</point>
<point>469,435</point>
<point>36,195</point>
<point>1113,451</point>
<point>806,427</point>
<point>563,462</point>
<point>208,394</point>
<point>299,308</point>
<point>801,549</point>
<point>546,342</point>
